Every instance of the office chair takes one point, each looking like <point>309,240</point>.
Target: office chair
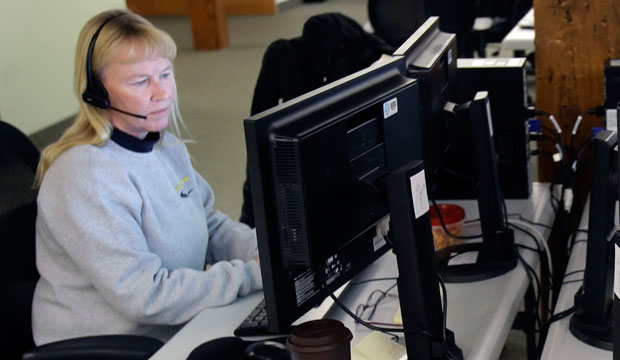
<point>18,163</point>
<point>395,20</point>
<point>330,47</point>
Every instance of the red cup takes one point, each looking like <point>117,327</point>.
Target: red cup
<point>453,217</point>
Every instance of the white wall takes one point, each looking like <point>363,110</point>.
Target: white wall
<point>37,50</point>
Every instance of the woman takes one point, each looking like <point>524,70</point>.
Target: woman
<point>125,225</point>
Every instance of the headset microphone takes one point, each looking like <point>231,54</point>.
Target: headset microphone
<point>95,93</point>
<point>127,113</point>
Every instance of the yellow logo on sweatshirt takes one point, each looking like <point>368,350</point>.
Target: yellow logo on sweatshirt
<point>181,187</point>
<point>183,181</point>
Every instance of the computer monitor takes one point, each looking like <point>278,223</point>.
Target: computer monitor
<point>495,255</point>
<point>318,167</point>
<point>505,80</point>
<point>431,60</point>
<point>593,317</point>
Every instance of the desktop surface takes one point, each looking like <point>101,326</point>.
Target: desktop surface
<point>522,35</point>
<point>480,313</point>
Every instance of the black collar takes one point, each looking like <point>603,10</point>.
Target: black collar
<point>133,143</point>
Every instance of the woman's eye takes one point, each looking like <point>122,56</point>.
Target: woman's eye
<point>140,82</point>
<point>166,75</point>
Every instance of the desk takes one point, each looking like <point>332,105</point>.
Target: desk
<point>480,313</point>
<point>521,37</point>
<point>561,343</point>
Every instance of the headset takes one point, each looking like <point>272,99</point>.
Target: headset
<point>95,93</point>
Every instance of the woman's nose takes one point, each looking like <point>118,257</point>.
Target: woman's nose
<point>161,91</point>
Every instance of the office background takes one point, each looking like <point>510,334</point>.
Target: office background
<point>215,87</point>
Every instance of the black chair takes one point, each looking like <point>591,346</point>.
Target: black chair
<point>395,20</point>
<point>330,47</point>
<point>18,162</point>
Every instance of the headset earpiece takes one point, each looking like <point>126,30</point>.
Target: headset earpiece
<point>96,95</point>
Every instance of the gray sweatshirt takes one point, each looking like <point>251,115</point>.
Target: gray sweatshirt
<point>124,232</point>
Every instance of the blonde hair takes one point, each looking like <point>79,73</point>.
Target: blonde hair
<point>122,29</point>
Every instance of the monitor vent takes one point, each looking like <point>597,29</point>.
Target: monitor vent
<point>291,209</point>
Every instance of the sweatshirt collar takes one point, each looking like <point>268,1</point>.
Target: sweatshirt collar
<point>133,143</point>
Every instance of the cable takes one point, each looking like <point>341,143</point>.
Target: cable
<point>444,294</point>
<point>573,272</point>
<point>371,280</point>
<point>363,322</point>
<point>540,239</point>
<point>530,221</point>
<point>531,274</point>
<point>443,225</point>
<point>540,252</point>
<point>561,315</point>
<point>572,281</point>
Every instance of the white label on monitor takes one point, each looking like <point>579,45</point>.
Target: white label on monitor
<point>449,54</point>
<point>466,258</point>
<point>390,108</point>
<point>419,194</point>
<point>617,272</point>
<point>611,119</point>
<point>378,242</point>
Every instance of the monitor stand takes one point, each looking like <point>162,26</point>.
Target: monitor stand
<point>496,255</point>
<point>418,284</point>
<point>600,336</point>
<point>478,261</point>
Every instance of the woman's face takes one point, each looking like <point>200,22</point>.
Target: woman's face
<point>141,86</point>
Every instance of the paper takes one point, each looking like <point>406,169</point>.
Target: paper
<point>378,346</point>
<point>470,257</point>
<point>419,194</point>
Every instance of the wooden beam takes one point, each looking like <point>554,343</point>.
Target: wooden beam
<point>209,24</point>
<point>251,7</point>
<point>182,7</point>
<point>208,18</point>
<point>159,7</point>
<point>573,39</point>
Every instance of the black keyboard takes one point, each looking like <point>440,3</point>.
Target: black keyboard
<point>254,324</point>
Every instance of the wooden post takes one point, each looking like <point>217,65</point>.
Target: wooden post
<point>209,24</point>
<point>573,39</point>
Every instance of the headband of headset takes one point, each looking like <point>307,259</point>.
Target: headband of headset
<point>95,93</point>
